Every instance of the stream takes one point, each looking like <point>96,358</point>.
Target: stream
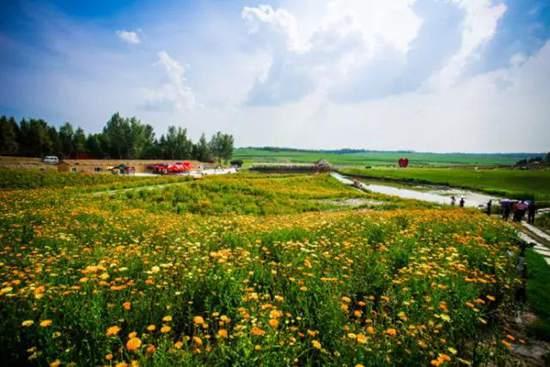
<point>433,194</point>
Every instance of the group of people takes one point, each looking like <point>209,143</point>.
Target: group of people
<point>518,209</point>
<point>460,203</point>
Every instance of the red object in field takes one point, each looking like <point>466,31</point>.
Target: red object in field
<point>403,162</point>
<point>171,168</point>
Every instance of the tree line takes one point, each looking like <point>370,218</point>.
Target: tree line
<point>121,138</point>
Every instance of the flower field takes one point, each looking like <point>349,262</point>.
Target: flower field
<point>249,270</point>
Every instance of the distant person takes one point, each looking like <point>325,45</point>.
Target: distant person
<point>519,211</point>
<point>531,211</point>
<point>461,203</point>
<point>453,200</point>
<point>489,207</point>
<point>506,206</point>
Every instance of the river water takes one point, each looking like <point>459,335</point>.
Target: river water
<point>433,194</point>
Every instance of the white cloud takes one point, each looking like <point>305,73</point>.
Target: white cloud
<point>175,92</point>
<point>129,37</point>
<point>310,54</point>
<point>480,25</point>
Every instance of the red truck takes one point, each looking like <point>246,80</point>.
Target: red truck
<point>171,168</point>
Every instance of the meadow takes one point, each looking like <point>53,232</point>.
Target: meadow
<point>248,270</point>
<point>506,182</point>
<point>374,158</point>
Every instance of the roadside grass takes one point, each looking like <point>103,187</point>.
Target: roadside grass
<point>543,221</point>
<point>538,294</point>
<point>513,183</point>
<point>31,179</point>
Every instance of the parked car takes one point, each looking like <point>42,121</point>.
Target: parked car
<point>51,159</point>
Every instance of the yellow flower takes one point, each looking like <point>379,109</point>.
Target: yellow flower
<point>109,357</point>
<point>371,330</point>
<point>165,329</point>
<point>27,323</point>
<point>167,318</point>
<point>133,344</point>
<point>55,363</point>
<point>316,344</point>
<point>121,364</point>
<point>112,330</point>
<point>46,323</point>
<point>151,328</point>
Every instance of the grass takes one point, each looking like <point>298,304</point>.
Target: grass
<point>256,194</point>
<point>362,159</point>
<point>538,293</point>
<point>522,184</point>
<point>108,279</point>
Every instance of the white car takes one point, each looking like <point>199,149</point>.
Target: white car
<point>51,159</point>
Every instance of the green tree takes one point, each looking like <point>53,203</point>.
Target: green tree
<point>201,150</point>
<point>79,141</point>
<point>66,137</point>
<point>176,145</point>
<point>221,146</point>
<point>8,135</point>
<point>118,136</point>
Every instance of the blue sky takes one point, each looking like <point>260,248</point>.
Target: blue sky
<point>429,75</point>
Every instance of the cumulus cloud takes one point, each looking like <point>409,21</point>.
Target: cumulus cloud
<point>129,37</point>
<point>344,36</point>
<point>174,93</point>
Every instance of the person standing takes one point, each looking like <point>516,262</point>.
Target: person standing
<point>461,202</point>
<point>531,211</point>
<point>453,200</point>
<point>489,207</point>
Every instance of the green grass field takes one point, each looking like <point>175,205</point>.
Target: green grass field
<point>502,181</point>
<point>538,293</point>
<point>362,159</point>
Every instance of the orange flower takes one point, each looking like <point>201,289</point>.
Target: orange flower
<point>133,344</point>
<point>46,323</point>
<point>197,341</point>
<point>112,330</point>
<point>198,320</point>
<point>151,349</point>
<point>274,323</point>
<point>371,330</point>
<point>256,331</point>
<point>222,333</point>
<point>127,305</point>
<point>391,332</point>
<point>361,338</point>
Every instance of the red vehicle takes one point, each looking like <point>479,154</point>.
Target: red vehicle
<point>171,168</point>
